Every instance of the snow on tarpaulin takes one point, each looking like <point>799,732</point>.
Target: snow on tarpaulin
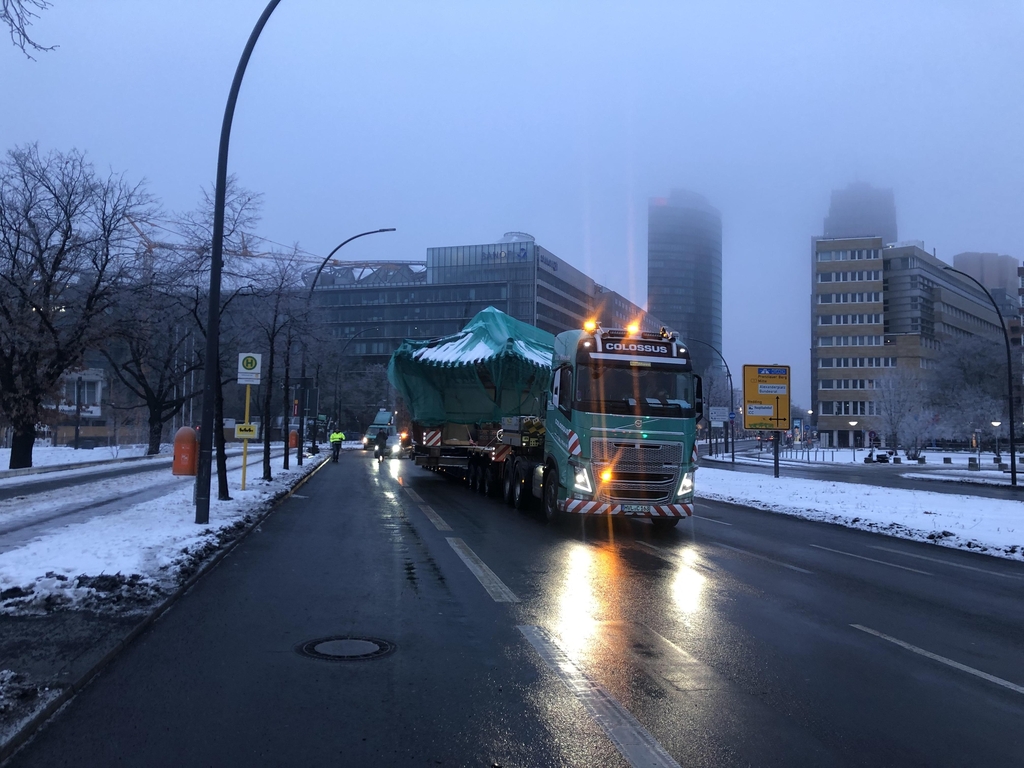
<point>496,366</point>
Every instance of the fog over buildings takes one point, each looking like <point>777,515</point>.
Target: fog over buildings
<point>457,121</point>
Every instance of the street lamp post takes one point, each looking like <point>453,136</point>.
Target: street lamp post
<point>853,442</point>
<point>730,435</point>
<point>210,373</point>
<point>810,412</point>
<point>78,409</point>
<point>1009,375</point>
<point>309,299</point>
<point>996,425</point>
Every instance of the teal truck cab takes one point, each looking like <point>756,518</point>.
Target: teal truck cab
<point>620,427</point>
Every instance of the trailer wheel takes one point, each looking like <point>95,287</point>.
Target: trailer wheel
<point>551,509</point>
<point>507,480</point>
<point>490,487</point>
<point>520,496</point>
<point>483,470</point>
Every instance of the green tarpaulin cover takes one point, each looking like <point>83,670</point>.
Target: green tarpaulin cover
<point>496,366</point>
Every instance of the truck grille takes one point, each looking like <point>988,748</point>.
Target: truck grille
<point>641,471</point>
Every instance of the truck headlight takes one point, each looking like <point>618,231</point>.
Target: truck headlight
<point>686,484</point>
<point>581,478</point>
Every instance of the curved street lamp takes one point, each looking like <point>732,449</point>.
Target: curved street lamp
<point>853,442</point>
<point>1009,375</point>
<point>996,425</point>
<point>302,369</point>
<point>732,409</point>
<point>210,372</point>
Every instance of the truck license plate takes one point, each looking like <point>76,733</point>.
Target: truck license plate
<point>636,509</point>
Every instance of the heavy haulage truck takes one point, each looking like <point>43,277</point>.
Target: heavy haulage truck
<point>596,421</point>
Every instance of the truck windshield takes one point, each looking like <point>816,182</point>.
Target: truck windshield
<point>634,391</point>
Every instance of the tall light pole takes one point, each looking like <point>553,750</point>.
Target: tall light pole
<point>211,377</point>
<point>732,409</point>
<point>996,425</point>
<point>1009,375</point>
<point>309,299</point>
<point>853,442</point>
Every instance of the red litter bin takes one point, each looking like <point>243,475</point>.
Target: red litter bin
<point>186,452</point>
<point>293,439</point>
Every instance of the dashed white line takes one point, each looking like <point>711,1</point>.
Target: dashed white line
<point>942,659</point>
<point>495,587</point>
<point>947,562</point>
<point>413,495</point>
<point>762,557</point>
<point>872,560</point>
<point>673,558</point>
<point>435,518</point>
<point>712,520</point>
<point>633,741</point>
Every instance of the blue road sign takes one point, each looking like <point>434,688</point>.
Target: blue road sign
<point>732,415</point>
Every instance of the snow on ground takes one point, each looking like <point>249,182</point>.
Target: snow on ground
<point>992,526</point>
<point>132,556</point>
<point>983,477</point>
<point>846,456</point>
<point>51,455</point>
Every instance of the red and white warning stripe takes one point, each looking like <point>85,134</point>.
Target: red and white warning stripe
<point>693,456</point>
<point>431,437</point>
<point>501,452</point>
<point>583,507</point>
<point>574,444</point>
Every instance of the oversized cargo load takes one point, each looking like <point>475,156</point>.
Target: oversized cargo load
<point>495,367</point>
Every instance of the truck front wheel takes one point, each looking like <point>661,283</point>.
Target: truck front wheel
<point>664,523</point>
<point>551,509</point>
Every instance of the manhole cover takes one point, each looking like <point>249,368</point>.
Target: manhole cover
<point>346,648</point>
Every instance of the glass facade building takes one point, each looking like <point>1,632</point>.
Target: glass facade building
<point>387,302</point>
<point>684,270</point>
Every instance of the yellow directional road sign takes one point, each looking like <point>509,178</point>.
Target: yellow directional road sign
<point>766,397</point>
<point>245,431</point>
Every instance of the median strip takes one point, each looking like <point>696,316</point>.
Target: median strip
<point>942,659</point>
<point>634,742</point>
<point>495,587</point>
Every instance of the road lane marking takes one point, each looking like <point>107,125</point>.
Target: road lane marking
<point>413,495</point>
<point>495,587</point>
<point>871,560</point>
<point>946,562</point>
<point>712,520</point>
<point>633,741</point>
<point>943,659</point>
<point>762,557</point>
<point>435,518</point>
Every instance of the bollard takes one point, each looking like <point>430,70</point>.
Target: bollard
<point>293,439</point>
<point>972,463</point>
<point>947,459</point>
<point>186,452</point>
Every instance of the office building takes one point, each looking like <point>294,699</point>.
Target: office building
<point>861,210</point>
<point>874,309</point>
<point>997,272</point>
<point>684,270</point>
<point>385,302</point>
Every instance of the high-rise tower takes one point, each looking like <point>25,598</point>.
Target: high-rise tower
<point>861,210</point>
<point>684,270</point>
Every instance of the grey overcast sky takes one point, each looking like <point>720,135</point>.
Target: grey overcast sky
<point>458,121</point>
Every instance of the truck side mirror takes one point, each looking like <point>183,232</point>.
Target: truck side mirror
<point>698,398</point>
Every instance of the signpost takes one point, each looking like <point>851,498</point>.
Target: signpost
<point>249,366</point>
<point>766,401</point>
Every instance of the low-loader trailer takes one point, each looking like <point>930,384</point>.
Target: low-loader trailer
<point>596,421</point>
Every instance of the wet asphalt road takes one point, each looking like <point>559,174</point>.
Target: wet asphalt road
<point>728,642</point>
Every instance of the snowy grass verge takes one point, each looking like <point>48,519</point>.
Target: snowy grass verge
<point>128,560</point>
<point>992,526</point>
<point>976,477</point>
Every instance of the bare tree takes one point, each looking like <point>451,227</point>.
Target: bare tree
<point>899,397</point>
<point>18,16</point>
<point>152,347</point>
<point>278,287</point>
<point>65,246</point>
<point>967,389</point>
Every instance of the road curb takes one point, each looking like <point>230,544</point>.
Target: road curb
<point>29,728</point>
